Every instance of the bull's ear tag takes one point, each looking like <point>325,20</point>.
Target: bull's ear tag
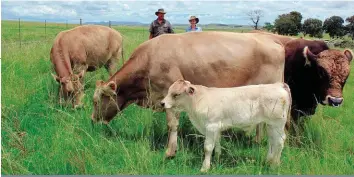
<point>348,54</point>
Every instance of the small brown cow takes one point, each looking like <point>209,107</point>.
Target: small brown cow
<point>84,48</point>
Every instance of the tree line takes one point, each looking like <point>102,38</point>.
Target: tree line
<point>290,24</point>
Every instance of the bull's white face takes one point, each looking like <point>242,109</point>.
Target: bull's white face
<point>178,95</point>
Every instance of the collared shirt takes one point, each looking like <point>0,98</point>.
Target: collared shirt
<point>157,28</point>
<point>197,29</point>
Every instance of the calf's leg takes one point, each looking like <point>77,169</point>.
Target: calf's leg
<point>276,134</point>
<point>172,123</point>
<point>212,136</point>
<point>111,65</point>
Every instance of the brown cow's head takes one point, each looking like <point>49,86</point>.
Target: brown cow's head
<point>71,88</point>
<point>105,101</point>
<point>333,68</point>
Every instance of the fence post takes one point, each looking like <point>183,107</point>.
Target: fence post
<point>45,29</point>
<point>110,23</point>
<point>19,30</point>
<point>66,24</point>
<point>80,21</point>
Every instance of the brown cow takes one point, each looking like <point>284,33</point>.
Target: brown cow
<point>84,48</point>
<point>213,59</point>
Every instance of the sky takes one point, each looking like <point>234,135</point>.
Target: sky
<point>226,12</point>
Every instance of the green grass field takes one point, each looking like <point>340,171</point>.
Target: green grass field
<point>41,137</point>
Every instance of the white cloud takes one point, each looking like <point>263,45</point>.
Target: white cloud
<point>232,12</point>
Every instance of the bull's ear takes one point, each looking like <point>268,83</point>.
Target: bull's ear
<point>309,56</point>
<point>349,54</point>
<point>81,74</point>
<point>190,90</point>
<point>112,85</point>
<point>99,83</point>
<point>55,77</point>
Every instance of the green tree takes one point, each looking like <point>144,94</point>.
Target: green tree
<point>288,24</point>
<point>268,26</point>
<point>313,27</point>
<point>334,26</point>
<point>350,26</point>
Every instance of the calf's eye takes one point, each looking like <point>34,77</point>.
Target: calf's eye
<point>175,95</point>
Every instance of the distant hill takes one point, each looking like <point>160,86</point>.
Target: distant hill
<point>106,23</point>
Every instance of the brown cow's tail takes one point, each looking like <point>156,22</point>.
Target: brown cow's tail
<point>122,53</point>
<point>286,87</point>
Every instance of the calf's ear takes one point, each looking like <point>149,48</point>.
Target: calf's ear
<point>309,56</point>
<point>190,90</point>
<point>349,54</point>
<point>55,77</point>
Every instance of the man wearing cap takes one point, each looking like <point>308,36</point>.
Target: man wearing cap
<point>193,20</point>
<point>160,25</point>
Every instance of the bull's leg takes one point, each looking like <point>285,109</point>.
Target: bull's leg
<point>276,134</point>
<point>172,123</point>
<point>211,137</point>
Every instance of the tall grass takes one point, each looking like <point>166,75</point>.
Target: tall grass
<point>41,137</point>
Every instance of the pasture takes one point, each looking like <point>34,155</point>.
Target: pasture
<point>39,137</point>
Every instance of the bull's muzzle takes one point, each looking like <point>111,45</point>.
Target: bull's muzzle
<point>334,101</point>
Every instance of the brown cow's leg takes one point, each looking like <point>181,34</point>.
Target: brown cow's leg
<point>111,66</point>
<point>172,122</point>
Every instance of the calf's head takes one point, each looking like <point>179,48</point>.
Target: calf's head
<point>106,102</point>
<point>71,88</point>
<point>333,68</point>
<point>179,94</point>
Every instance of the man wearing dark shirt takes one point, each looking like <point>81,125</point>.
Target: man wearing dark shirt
<point>160,25</point>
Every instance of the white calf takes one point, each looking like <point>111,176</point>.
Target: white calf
<point>212,110</point>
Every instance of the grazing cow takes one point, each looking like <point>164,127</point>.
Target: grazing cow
<point>217,59</point>
<point>315,74</point>
<point>84,48</point>
<point>213,110</point>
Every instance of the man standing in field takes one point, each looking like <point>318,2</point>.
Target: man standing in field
<point>160,25</point>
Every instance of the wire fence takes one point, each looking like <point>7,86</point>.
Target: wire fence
<point>21,32</point>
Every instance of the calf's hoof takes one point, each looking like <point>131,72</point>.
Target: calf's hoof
<point>170,154</point>
<point>204,169</point>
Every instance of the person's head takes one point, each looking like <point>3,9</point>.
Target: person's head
<point>193,20</point>
<point>160,13</point>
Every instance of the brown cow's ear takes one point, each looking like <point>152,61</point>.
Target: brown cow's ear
<point>99,83</point>
<point>112,85</point>
<point>56,77</point>
<point>309,56</point>
<point>349,54</point>
<point>81,74</point>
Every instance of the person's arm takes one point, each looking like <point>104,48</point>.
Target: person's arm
<point>151,30</point>
<point>170,28</point>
